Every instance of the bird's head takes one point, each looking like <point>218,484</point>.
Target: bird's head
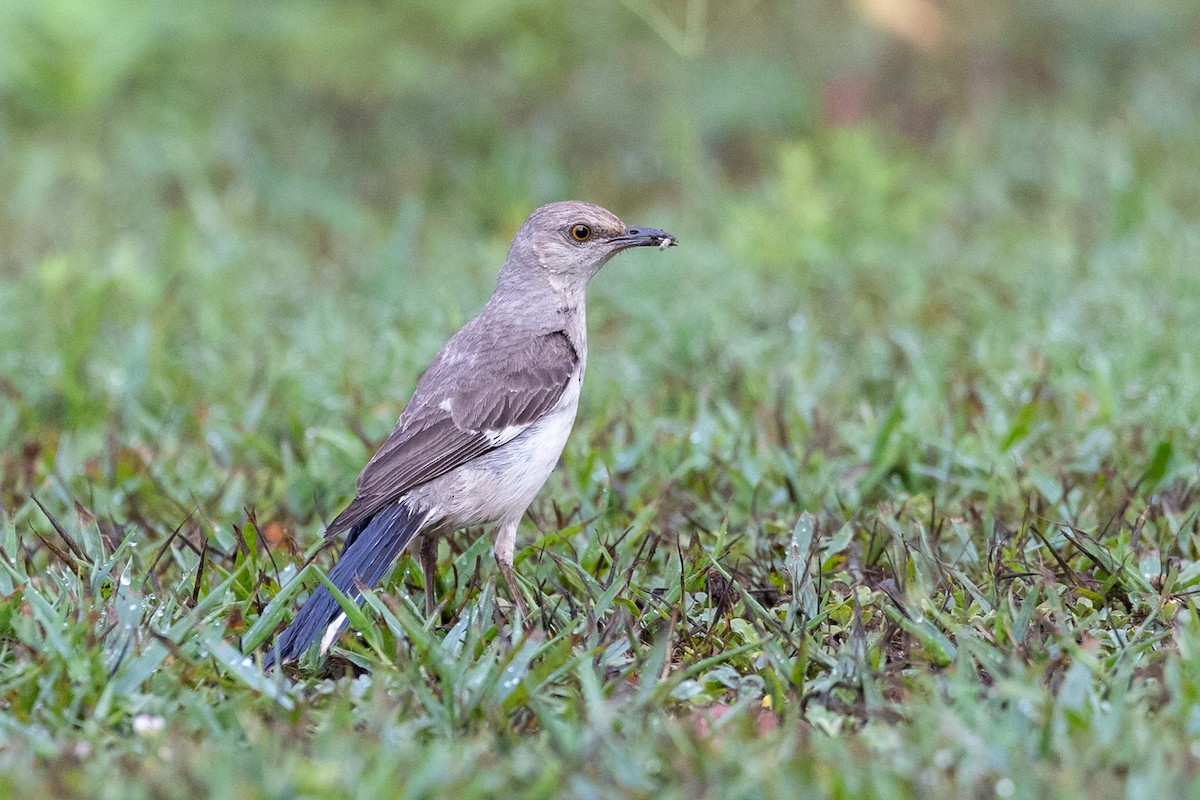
<point>568,242</point>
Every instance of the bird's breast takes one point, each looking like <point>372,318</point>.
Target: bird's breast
<point>501,484</point>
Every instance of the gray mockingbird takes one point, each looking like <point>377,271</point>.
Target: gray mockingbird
<point>487,422</point>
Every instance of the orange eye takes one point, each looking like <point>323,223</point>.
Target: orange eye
<point>581,233</point>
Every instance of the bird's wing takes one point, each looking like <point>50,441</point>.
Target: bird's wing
<point>464,406</point>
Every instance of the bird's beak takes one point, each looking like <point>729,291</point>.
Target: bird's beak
<point>645,237</point>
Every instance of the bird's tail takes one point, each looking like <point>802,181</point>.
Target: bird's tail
<point>369,552</point>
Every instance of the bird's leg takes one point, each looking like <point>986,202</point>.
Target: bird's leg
<point>429,551</point>
<point>506,546</point>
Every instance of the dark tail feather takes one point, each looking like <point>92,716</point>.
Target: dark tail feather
<point>370,550</point>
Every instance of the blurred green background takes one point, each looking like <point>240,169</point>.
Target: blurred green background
<point>278,210</point>
<point>938,256</point>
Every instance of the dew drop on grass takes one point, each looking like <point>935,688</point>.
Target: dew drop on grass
<point>147,723</point>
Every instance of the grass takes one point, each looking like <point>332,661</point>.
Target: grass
<point>884,483</point>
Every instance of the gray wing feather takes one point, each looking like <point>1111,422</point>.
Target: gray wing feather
<point>462,408</point>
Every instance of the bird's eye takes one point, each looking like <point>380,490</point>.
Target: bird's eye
<point>581,233</point>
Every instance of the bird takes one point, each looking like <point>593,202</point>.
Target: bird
<point>486,424</point>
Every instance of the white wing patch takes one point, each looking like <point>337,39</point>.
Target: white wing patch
<point>496,438</point>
